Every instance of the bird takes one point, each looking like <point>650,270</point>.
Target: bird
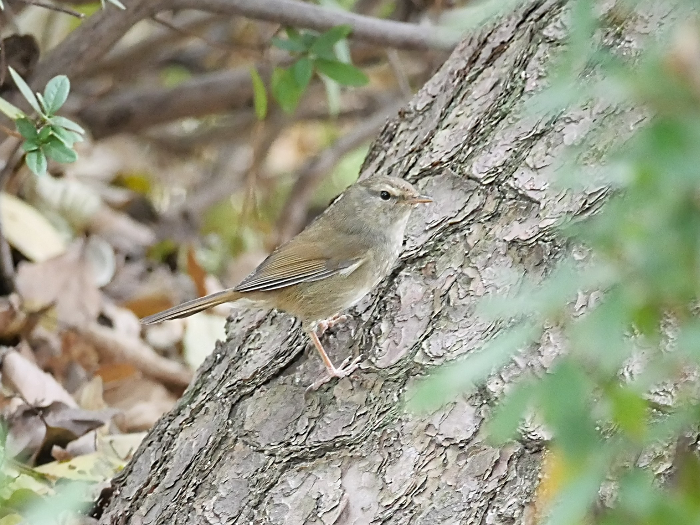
<point>329,266</point>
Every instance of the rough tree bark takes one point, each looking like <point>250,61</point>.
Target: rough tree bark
<point>246,445</point>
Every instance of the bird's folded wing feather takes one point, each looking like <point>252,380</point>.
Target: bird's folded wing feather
<point>287,267</point>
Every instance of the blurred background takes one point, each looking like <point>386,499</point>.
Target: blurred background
<point>167,154</point>
<point>198,141</point>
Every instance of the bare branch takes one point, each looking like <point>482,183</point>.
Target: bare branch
<point>133,350</point>
<point>292,218</point>
<point>52,7</point>
<point>93,39</point>
<point>299,14</point>
<point>184,32</point>
<point>236,126</point>
<point>161,39</point>
<point>138,109</point>
<point>399,72</point>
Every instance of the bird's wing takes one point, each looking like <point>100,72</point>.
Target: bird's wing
<point>291,264</point>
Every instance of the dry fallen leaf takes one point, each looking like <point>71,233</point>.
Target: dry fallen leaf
<point>201,334</point>
<point>100,255</point>
<point>165,335</point>
<point>113,346</point>
<point>34,431</point>
<point>89,396</point>
<point>196,272</point>
<point>115,372</point>
<point>35,386</point>
<point>121,231</point>
<point>123,320</point>
<point>12,318</point>
<point>65,281</point>
<point>142,402</point>
<point>90,467</point>
<point>28,230</point>
<point>149,304</point>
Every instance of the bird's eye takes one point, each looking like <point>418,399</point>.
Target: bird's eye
<point>385,195</point>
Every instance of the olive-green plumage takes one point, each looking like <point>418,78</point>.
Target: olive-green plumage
<point>330,265</point>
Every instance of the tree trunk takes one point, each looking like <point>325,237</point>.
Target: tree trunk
<point>246,445</point>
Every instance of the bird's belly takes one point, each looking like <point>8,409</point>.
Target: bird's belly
<point>322,299</point>
<point>318,300</point>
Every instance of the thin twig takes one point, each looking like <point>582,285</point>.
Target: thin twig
<point>191,34</point>
<point>3,63</point>
<point>133,56</point>
<point>9,132</point>
<point>89,42</point>
<point>141,108</point>
<point>399,72</point>
<point>112,345</point>
<point>234,127</point>
<point>56,8</point>
<point>300,14</point>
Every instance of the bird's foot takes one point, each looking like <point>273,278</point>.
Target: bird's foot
<point>346,368</point>
<point>327,324</point>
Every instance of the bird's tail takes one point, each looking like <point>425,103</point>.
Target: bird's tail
<point>192,307</point>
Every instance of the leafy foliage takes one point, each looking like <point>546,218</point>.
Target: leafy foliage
<point>259,94</point>
<point>644,259</point>
<point>316,53</point>
<point>47,135</point>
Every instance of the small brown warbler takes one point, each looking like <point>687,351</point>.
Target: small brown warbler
<point>328,267</point>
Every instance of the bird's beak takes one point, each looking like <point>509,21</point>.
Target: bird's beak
<point>420,199</point>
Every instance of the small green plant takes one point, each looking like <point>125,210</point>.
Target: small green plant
<point>46,135</point>
<point>314,53</point>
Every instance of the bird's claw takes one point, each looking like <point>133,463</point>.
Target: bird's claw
<point>327,324</point>
<point>346,368</point>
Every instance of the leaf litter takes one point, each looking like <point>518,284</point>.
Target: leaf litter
<point>81,379</point>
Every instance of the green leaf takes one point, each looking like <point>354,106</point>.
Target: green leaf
<point>56,93</point>
<point>509,412</point>
<point>26,91</point>
<point>333,94</point>
<point>342,73</point>
<point>568,415</point>
<point>629,411</point>
<point>26,128</point>
<point>302,70</point>
<point>30,145</point>
<point>11,519</point>
<point>452,379</point>
<point>44,134</point>
<point>66,123</point>
<point>22,499</point>
<point>58,151</point>
<point>575,498</point>
<point>285,89</point>
<point>323,45</point>
<point>10,110</point>
<point>308,39</point>
<point>67,137</point>
<point>289,45</point>
<point>292,33</point>
<point>36,161</point>
<point>259,94</point>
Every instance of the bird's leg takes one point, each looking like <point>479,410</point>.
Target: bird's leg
<point>344,370</point>
<point>327,324</point>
